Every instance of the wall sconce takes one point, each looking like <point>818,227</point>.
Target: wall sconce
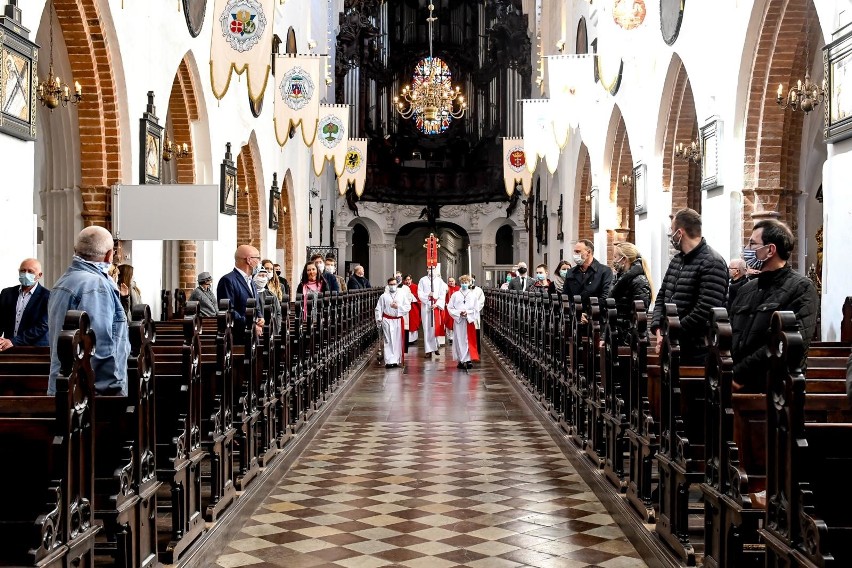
<point>284,210</point>
<point>312,44</point>
<point>560,45</point>
<point>176,151</point>
<point>626,180</point>
<point>689,153</point>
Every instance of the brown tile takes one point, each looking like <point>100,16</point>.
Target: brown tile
<point>463,540</point>
<point>461,556</point>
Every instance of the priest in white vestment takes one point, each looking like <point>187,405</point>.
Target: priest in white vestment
<point>432,292</point>
<point>464,309</point>
<point>390,311</point>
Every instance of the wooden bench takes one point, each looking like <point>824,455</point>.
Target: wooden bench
<point>47,515</point>
<point>808,522</point>
<point>615,374</point>
<point>595,444</point>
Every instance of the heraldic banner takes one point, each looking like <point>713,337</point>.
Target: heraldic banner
<point>571,77</point>
<point>539,139</point>
<point>297,96</point>
<point>242,39</point>
<point>355,167</point>
<point>515,166</point>
<point>332,141</point>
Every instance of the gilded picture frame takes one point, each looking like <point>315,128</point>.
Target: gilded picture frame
<point>228,184</point>
<point>640,189</point>
<point>18,79</point>
<point>150,145</point>
<point>710,142</point>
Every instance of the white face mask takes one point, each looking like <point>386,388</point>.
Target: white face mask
<point>330,268</point>
<point>391,289</point>
<point>578,259</point>
<point>320,267</point>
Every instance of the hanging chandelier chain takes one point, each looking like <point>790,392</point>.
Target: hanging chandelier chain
<point>52,15</point>
<point>54,92</point>
<point>805,96</point>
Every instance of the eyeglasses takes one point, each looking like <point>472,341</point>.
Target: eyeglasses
<point>755,246</point>
<point>252,258</point>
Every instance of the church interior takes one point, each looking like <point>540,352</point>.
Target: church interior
<point>436,140</point>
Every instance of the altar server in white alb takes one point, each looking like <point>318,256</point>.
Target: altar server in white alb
<point>432,291</point>
<point>390,311</point>
<point>464,309</point>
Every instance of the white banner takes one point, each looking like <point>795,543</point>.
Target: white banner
<point>297,96</point>
<point>355,167</point>
<point>515,166</point>
<point>539,139</point>
<point>332,140</point>
<point>570,78</point>
<point>242,40</point>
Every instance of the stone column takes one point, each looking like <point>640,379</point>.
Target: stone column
<point>381,261</point>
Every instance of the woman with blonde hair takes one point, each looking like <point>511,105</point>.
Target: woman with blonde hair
<point>274,285</point>
<point>632,282</point>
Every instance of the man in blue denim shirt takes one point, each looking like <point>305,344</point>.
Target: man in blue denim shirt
<point>86,286</point>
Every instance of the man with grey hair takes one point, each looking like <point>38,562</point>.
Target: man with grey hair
<point>738,271</point>
<point>522,282</point>
<point>86,286</point>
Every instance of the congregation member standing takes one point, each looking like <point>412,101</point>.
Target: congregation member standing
<point>589,278</point>
<point>432,293</point>
<point>205,297</point>
<point>541,284</point>
<point>264,294</point>
<point>464,311</point>
<point>274,284</point>
<point>777,287</point>
<point>696,281</point>
<point>390,312</point>
<point>560,274</point>
<point>285,286</point>
<point>86,286</point>
<point>237,286</point>
<point>358,281</point>
<point>522,282</point>
<point>738,272</point>
<point>632,282</point>
<point>23,309</point>
<point>330,279</point>
<point>331,268</point>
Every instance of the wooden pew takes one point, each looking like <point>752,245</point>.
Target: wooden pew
<point>615,374</point>
<point>47,514</point>
<point>177,384</point>
<point>576,415</point>
<point>643,432</point>
<point>245,410</point>
<point>595,443</point>
<point>268,399</point>
<point>680,458</point>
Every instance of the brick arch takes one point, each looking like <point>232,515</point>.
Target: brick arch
<point>681,178</point>
<point>81,24</point>
<point>183,110</point>
<point>773,136</point>
<point>622,195</point>
<point>284,237</point>
<point>584,186</point>
<point>248,202</point>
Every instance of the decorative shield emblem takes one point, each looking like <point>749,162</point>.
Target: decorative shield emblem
<point>243,23</point>
<point>353,160</point>
<point>629,14</point>
<point>517,159</point>
<point>297,88</point>
<point>331,131</point>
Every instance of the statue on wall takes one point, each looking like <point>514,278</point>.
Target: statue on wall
<point>527,213</point>
<point>559,234</point>
<point>352,199</point>
<point>513,201</point>
<point>432,212</point>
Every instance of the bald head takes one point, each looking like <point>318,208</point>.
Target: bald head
<point>94,244</point>
<point>246,258</point>
<point>737,268</point>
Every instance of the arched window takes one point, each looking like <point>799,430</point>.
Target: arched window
<point>505,240</point>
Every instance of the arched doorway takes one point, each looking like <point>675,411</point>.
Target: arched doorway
<point>505,241</point>
<point>361,251</point>
<point>453,254</point>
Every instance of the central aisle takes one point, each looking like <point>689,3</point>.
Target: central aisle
<point>434,468</point>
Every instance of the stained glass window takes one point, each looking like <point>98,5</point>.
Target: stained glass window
<point>441,78</point>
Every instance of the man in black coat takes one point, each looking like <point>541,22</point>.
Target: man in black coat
<point>588,278</point>
<point>23,309</point>
<point>696,282</point>
<point>739,276</point>
<point>330,280</point>
<point>777,287</point>
<point>522,282</point>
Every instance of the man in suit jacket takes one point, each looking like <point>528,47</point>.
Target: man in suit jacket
<point>23,309</point>
<point>522,282</point>
<point>237,286</point>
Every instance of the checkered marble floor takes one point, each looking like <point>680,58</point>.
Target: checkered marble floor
<point>469,479</point>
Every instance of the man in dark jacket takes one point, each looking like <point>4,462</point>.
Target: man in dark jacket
<point>777,287</point>
<point>330,280</point>
<point>23,309</point>
<point>589,278</point>
<point>696,282</point>
<point>739,276</point>
<point>358,281</point>
<point>522,282</point>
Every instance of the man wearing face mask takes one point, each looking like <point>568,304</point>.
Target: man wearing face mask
<point>204,296</point>
<point>329,278</point>
<point>589,278</point>
<point>390,312</point>
<point>264,295</point>
<point>23,309</point>
<point>331,268</point>
<point>238,286</point>
<point>86,286</point>
<point>285,286</point>
<point>522,282</point>
<point>739,276</point>
<point>776,288</point>
<point>412,318</point>
<point>696,281</point>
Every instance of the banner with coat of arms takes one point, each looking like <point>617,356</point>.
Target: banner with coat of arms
<point>571,78</point>
<point>242,41</point>
<point>332,140</point>
<point>355,167</point>
<point>539,139</point>
<point>297,96</point>
<point>515,166</point>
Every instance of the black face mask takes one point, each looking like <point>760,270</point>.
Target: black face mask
<point>278,273</point>
<point>522,271</point>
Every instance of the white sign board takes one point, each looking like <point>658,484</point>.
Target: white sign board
<point>165,212</point>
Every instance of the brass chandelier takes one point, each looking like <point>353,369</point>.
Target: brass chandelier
<point>433,99</point>
<point>691,153</point>
<point>804,96</point>
<point>53,91</point>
